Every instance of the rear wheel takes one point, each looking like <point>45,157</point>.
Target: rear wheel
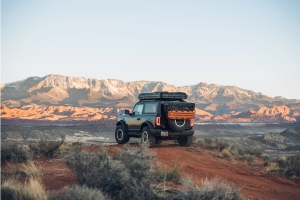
<point>120,135</point>
<point>178,124</point>
<point>147,137</point>
<point>185,141</point>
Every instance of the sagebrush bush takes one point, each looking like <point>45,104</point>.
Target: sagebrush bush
<point>208,143</point>
<point>172,174</point>
<point>199,143</point>
<point>14,152</point>
<point>33,190</point>
<point>226,155</point>
<point>291,166</point>
<point>128,175</point>
<point>248,158</point>
<point>79,193</point>
<point>46,148</point>
<point>211,189</point>
<point>221,144</point>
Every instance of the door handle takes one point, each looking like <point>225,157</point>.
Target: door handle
<point>138,119</point>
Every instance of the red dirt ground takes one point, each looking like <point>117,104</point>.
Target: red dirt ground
<point>198,165</point>
<point>254,181</point>
<point>56,173</point>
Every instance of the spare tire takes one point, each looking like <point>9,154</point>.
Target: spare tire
<point>178,125</point>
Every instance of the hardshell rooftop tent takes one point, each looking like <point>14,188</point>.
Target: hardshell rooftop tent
<point>163,95</point>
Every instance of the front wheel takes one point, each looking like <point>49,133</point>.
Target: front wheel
<point>147,137</point>
<point>121,135</point>
<point>185,141</point>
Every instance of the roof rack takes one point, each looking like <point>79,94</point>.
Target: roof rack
<point>163,96</point>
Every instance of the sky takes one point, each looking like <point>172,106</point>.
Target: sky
<point>251,44</point>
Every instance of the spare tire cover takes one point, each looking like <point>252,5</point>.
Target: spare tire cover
<point>178,125</point>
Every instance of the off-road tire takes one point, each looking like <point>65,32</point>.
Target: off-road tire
<point>120,135</point>
<point>158,141</point>
<point>178,125</point>
<point>147,138</point>
<point>185,141</point>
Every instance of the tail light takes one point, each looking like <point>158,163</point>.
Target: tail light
<point>157,121</point>
<point>191,122</point>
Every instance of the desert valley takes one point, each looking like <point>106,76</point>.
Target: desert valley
<point>247,141</point>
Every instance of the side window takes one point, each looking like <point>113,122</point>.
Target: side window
<point>138,109</point>
<point>150,107</point>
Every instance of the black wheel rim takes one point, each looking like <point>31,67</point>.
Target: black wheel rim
<point>179,122</point>
<point>120,134</point>
<point>144,137</point>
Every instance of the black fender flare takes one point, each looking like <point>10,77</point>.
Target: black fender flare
<point>146,123</point>
<point>121,122</point>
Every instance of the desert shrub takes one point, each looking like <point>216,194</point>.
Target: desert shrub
<point>63,148</point>
<point>221,144</point>
<point>4,135</point>
<point>77,143</point>
<point>281,159</point>
<point>248,151</point>
<point>208,143</point>
<point>79,193</point>
<point>214,189</point>
<point>46,148</point>
<point>32,190</point>
<point>127,175</point>
<point>226,155</point>
<point>272,168</point>
<point>160,174</point>
<point>14,152</point>
<point>25,134</point>
<point>248,158</point>
<point>198,143</point>
<point>257,153</point>
<point>292,166</point>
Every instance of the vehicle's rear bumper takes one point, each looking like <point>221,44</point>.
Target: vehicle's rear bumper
<point>157,132</point>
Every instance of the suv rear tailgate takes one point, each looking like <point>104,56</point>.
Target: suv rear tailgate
<point>180,114</point>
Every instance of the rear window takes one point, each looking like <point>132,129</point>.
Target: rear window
<point>150,107</point>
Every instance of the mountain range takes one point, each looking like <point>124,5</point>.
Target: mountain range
<point>213,101</point>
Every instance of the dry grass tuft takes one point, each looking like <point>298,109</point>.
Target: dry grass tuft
<point>30,169</point>
<point>63,149</point>
<point>226,155</point>
<point>281,159</point>
<point>162,174</point>
<point>33,190</point>
<point>272,167</point>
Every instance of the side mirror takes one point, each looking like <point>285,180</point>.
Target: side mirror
<point>126,112</point>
